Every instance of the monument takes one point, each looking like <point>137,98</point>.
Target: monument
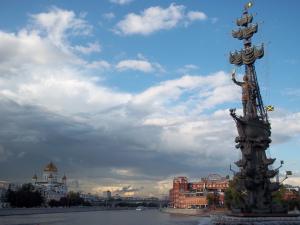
<point>253,181</point>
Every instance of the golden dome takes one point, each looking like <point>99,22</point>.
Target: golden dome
<point>50,168</point>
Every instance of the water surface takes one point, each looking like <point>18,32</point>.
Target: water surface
<point>122,217</point>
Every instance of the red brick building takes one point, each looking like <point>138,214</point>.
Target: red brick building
<point>291,193</point>
<point>194,195</point>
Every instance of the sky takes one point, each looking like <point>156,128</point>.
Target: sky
<point>124,95</point>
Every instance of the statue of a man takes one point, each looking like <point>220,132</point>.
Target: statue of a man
<point>246,90</point>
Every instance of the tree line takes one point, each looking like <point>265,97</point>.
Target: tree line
<point>27,196</point>
<point>72,199</point>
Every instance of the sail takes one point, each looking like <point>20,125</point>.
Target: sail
<point>245,20</point>
<point>236,58</point>
<point>246,56</point>
<point>245,33</point>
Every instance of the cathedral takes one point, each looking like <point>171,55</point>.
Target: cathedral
<point>50,185</point>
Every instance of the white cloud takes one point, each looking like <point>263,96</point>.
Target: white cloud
<point>191,66</point>
<point>146,188</point>
<point>28,47</point>
<point>123,172</point>
<point>284,125</point>
<point>100,64</point>
<point>194,136</point>
<point>45,66</point>
<point>187,68</point>
<point>196,15</point>
<point>130,64</point>
<point>205,91</point>
<point>121,2</point>
<point>79,94</point>
<point>293,180</point>
<point>90,48</point>
<point>44,42</point>
<point>59,23</point>
<point>139,65</point>
<point>151,20</point>
<point>156,18</point>
<point>183,123</point>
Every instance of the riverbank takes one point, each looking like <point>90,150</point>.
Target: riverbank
<point>193,212</point>
<point>189,212</point>
<point>31,211</point>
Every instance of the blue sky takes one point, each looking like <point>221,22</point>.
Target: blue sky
<point>146,78</point>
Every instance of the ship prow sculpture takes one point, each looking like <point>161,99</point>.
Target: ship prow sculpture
<point>253,182</point>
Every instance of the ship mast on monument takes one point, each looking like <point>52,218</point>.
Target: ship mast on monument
<point>253,105</point>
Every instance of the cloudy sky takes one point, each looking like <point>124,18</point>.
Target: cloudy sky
<point>126,94</point>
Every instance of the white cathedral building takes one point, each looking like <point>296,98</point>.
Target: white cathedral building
<point>50,185</point>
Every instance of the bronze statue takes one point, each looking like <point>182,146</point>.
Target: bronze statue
<point>247,89</point>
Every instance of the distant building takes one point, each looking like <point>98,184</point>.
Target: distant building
<point>291,192</point>
<point>289,187</point>
<point>90,198</point>
<point>50,185</point>
<point>4,186</point>
<point>194,195</point>
<point>107,194</point>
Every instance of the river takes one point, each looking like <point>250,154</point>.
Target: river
<point>122,217</point>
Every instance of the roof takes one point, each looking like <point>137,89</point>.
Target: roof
<point>50,168</point>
